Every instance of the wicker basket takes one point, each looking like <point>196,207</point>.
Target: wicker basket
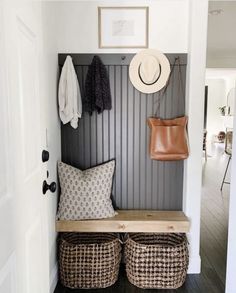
<point>89,260</point>
<point>157,261</point>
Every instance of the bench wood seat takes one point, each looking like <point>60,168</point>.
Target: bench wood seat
<point>131,221</point>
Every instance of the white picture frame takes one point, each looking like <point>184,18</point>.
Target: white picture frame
<point>123,27</point>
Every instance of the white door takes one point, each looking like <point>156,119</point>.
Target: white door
<point>24,259</point>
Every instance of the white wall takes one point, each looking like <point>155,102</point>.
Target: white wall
<point>216,98</point>
<point>77,25</point>
<point>222,81</point>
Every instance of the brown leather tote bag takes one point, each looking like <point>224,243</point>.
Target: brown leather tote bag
<point>168,140</point>
<point>168,137</point>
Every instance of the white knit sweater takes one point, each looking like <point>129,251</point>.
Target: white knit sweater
<point>69,97</point>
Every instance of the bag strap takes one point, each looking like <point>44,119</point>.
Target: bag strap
<point>162,93</point>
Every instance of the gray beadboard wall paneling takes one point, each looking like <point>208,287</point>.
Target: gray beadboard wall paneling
<point>122,133</point>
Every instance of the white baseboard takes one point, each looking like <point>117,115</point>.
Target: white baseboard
<point>194,265</point>
<point>53,278</point>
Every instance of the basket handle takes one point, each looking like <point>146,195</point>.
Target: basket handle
<point>123,238</point>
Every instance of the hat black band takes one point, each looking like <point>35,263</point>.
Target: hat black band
<point>146,82</point>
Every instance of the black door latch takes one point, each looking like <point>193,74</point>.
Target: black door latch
<point>52,187</point>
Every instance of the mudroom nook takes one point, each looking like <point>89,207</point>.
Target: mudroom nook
<point>146,193</point>
<point>116,172</point>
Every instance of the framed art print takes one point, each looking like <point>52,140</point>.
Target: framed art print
<point>123,27</point>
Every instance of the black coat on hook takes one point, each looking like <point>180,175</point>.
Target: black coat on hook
<point>97,88</point>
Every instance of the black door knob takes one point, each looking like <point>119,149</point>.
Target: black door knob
<point>45,156</point>
<point>52,187</point>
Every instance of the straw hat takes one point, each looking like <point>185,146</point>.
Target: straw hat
<point>149,71</point>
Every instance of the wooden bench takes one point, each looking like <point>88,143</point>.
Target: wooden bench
<point>131,221</point>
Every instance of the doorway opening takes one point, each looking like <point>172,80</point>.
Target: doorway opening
<point>217,141</point>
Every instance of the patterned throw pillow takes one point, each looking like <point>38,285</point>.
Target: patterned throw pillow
<point>86,194</point>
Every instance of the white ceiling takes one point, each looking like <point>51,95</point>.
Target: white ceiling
<point>222,29</point>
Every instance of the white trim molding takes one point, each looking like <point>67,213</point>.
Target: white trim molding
<point>194,264</point>
<point>231,251</point>
<point>198,18</point>
<point>53,278</point>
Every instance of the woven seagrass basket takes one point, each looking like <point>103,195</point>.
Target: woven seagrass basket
<point>89,260</point>
<point>157,261</point>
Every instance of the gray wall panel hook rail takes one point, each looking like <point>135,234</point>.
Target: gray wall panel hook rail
<point>122,133</point>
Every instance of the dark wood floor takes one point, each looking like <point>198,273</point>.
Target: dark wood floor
<point>213,237</point>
